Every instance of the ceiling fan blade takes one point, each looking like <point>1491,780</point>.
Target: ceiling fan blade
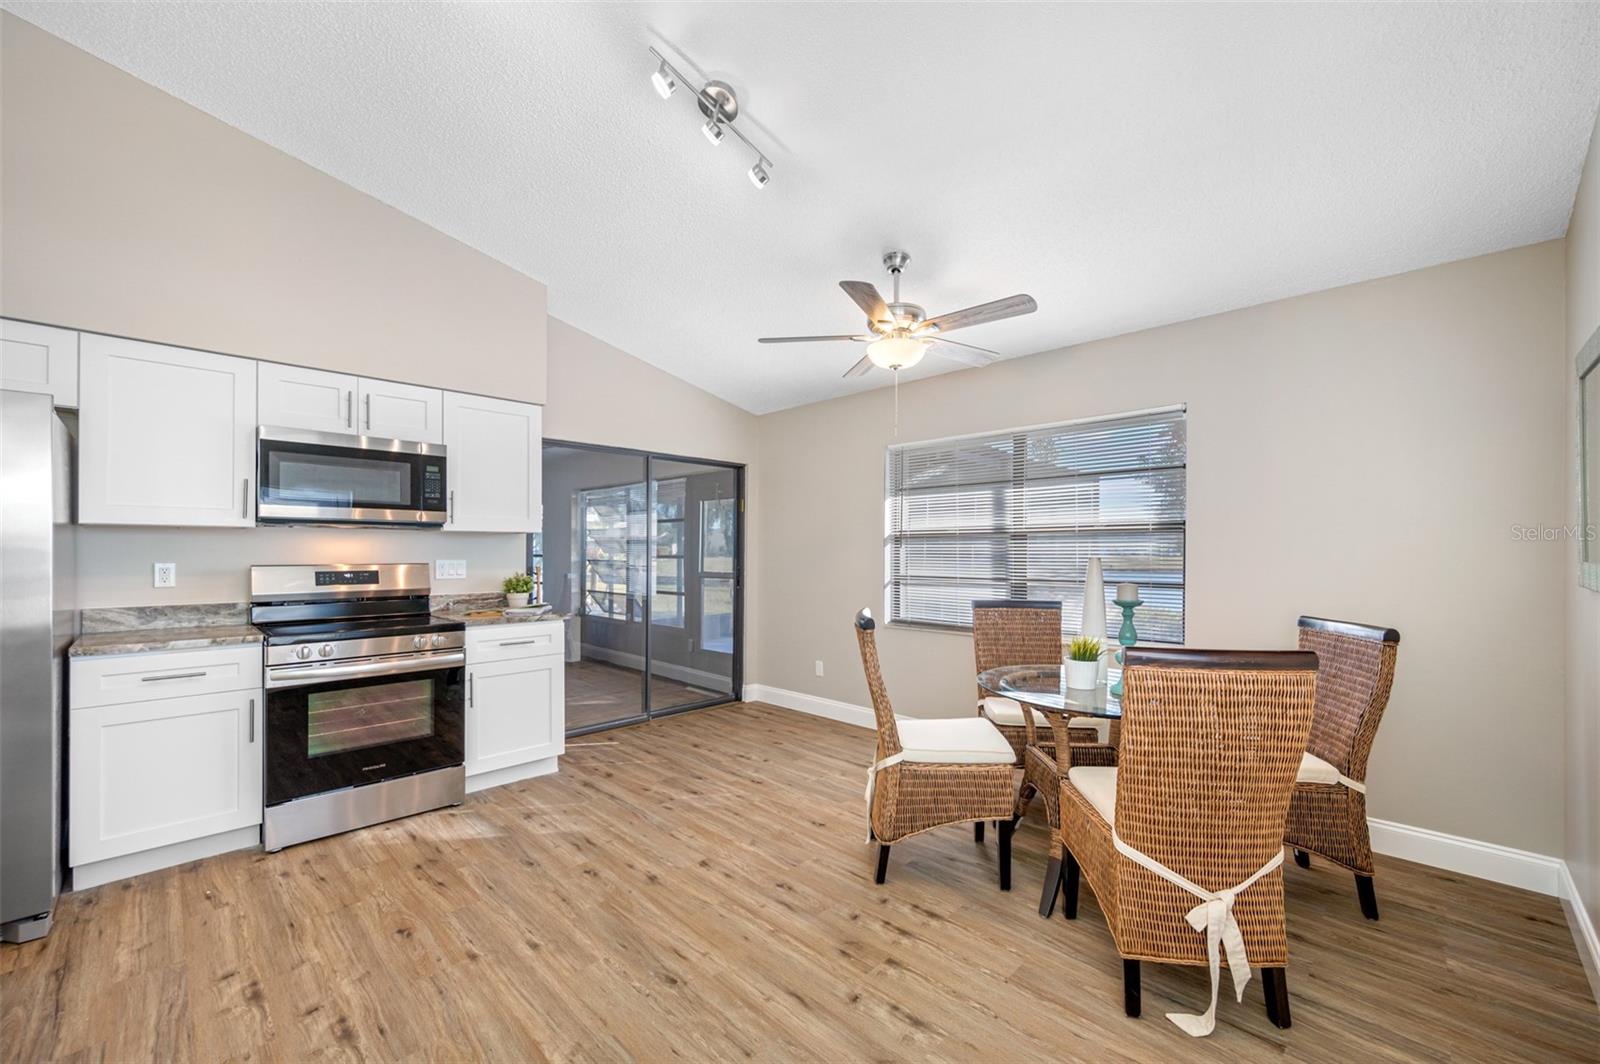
<point>803,339</point>
<point>1009,307</point>
<point>867,298</point>
<point>966,354</point>
<point>859,368</point>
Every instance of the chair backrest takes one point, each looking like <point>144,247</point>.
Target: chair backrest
<point>1355,672</point>
<point>1211,743</point>
<point>882,711</point>
<point>1015,632</point>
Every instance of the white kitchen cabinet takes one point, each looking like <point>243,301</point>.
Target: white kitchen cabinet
<point>166,435</point>
<point>39,358</point>
<point>493,464</point>
<point>516,702</point>
<point>294,397</point>
<point>399,411</point>
<point>145,775</point>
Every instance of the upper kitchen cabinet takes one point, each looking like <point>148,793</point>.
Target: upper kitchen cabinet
<point>492,455</point>
<point>399,411</point>
<point>166,435</point>
<point>298,398</point>
<point>38,358</point>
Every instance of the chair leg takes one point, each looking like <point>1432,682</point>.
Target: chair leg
<point>1302,858</point>
<point>1069,905</point>
<point>977,831</point>
<point>1006,828</point>
<point>1130,987</point>
<point>1275,984</point>
<point>1052,887</point>
<point>883,863</point>
<point>1369,897</point>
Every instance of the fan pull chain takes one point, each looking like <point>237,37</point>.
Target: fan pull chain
<point>897,402</point>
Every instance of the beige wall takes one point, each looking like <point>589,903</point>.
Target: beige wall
<point>126,211</point>
<point>114,563</point>
<point>1583,606</point>
<point>1359,453</point>
<point>602,394</point>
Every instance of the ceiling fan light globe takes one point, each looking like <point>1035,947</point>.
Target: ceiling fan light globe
<point>896,352</point>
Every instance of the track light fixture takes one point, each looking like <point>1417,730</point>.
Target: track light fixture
<point>720,107</point>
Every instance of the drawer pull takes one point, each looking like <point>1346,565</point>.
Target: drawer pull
<point>524,642</point>
<point>173,676</point>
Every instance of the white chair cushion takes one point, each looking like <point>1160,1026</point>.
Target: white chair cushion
<point>1008,711</point>
<point>953,741</point>
<point>1097,783</point>
<point>1101,726</point>
<point>1315,770</point>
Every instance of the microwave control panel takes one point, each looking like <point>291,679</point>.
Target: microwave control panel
<point>433,486</point>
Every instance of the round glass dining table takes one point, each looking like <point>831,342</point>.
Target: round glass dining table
<point>1044,687</point>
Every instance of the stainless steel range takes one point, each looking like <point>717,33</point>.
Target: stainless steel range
<point>364,697</point>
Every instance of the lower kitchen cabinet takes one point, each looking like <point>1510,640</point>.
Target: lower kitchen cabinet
<point>516,704</point>
<point>152,774</point>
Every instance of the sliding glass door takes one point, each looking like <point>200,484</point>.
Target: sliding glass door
<point>643,554</point>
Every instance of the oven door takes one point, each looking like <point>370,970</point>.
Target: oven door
<point>344,725</point>
<point>327,478</point>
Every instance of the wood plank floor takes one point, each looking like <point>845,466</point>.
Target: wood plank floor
<point>697,888</point>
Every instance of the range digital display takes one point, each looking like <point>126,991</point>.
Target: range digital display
<point>336,577</point>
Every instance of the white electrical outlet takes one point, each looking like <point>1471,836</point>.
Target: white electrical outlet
<point>166,575</point>
<point>447,569</point>
<point>819,666</point>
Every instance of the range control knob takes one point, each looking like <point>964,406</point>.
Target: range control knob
<point>326,650</point>
<point>419,642</point>
<point>438,640</point>
<point>303,652</point>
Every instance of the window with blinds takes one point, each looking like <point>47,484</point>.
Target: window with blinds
<point>1019,514</point>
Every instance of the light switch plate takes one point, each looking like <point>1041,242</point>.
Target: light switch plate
<point>165,575</point>
<point>448,569</point>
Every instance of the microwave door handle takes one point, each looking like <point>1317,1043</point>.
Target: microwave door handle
<point>280,677</point>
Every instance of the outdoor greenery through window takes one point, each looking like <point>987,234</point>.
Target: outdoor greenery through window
<point>1019,514</point>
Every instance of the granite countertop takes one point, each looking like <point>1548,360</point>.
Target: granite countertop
<point>477,618</point>
<point>140,640</point>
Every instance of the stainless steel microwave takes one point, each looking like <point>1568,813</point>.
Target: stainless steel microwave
<point>331,478</point>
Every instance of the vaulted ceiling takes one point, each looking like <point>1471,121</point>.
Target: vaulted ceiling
<point>1128,166</point>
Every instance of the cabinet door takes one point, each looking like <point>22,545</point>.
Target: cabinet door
<point>294,397</point>
<point>150,774</point>
<point>492,456</point>
<point>516,712</point>
<point>166,435</point>
<point>38,358</point>
<point>400,411</point>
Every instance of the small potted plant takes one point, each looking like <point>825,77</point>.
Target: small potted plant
<point>1083,663</point>
<point>517,588</point>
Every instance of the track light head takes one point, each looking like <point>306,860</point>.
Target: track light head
<point>664,82</point>
<point>713,131</point>
<point>758,175</point>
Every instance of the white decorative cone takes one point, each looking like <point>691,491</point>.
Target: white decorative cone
<point>1094,610</point>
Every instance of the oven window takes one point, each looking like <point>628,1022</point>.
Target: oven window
<point>352,719</point>
<point>338,480</point>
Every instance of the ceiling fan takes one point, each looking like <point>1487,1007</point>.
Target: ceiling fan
<point>901,333</point>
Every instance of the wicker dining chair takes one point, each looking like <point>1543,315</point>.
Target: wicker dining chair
<point>932,772</point>
<point>1328,815</point>
<point>1211,743</point>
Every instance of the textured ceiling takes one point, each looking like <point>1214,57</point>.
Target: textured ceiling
<point>1126,165</point>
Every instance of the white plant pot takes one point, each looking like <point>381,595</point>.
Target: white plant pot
<point>516,602</point>
<point>1083,675</point>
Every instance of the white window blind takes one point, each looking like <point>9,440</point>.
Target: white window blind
<point>1019,514</point>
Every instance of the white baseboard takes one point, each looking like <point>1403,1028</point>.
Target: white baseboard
<point>1486,860</point>
<point>1583,932</point>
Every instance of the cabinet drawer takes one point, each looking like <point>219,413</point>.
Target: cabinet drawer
<point>502,642</point>
<point>117,679</point>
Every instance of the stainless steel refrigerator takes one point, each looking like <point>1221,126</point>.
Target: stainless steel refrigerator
<point>38,621</point>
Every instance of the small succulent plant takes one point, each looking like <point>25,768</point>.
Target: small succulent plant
<point>1083,648</point>
<point>517,584</point>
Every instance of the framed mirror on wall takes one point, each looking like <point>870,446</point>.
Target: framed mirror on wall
<point>1589,461</point>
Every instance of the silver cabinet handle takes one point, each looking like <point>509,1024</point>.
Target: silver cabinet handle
<point>252,720</point>
<point>451,519</point>
<point>469,690</point>
<point>244,501</point>
<point>173,676</point>
<point>349,401</point>
<point>367,401</point>
<point>524,642</point>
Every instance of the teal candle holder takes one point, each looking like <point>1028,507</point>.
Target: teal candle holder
<point>1127,636</point>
